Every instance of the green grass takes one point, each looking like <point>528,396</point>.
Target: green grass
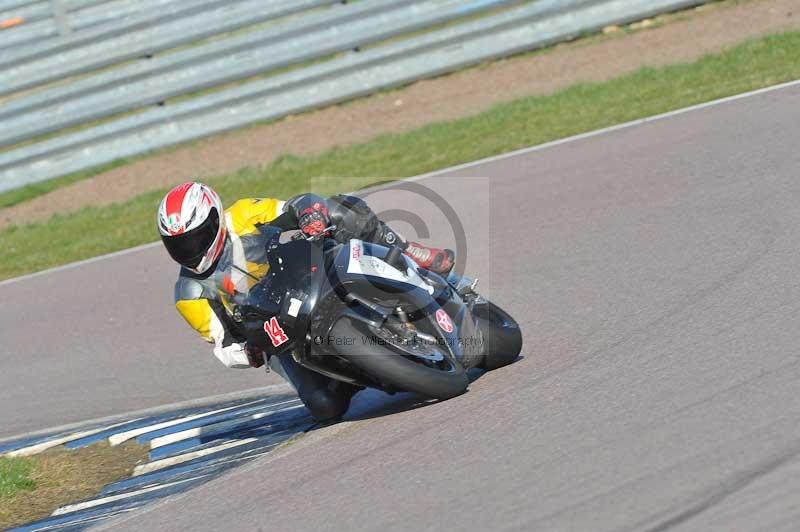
<point>31,488</point>
<point>508,126</point>
<point>15,476</point>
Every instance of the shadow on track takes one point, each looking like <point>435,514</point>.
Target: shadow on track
<point>370,403</point>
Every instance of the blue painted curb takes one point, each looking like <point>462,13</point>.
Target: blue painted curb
<point>283,420</point>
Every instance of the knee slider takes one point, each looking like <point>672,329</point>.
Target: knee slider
<point>325,404</point>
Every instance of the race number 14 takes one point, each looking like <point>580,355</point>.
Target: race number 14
<point>275,332</point>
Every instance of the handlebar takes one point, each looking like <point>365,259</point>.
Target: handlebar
<point>314,238</point>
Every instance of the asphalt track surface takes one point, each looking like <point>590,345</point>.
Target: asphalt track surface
<point>654,271</point>
<point>102,339</point>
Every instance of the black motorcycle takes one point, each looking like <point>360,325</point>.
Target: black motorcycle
<point>367,315</point>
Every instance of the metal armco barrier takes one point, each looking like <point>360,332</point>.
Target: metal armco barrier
<point>125,61</point>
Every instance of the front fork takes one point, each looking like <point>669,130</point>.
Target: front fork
<point>459,306</point>
<point>463,285</point>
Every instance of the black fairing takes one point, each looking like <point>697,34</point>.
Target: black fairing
<point>316,274</point>
<point>462,342</point>
<point>374,285</point>
<point>296,272</point>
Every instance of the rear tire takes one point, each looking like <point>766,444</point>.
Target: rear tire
<point>501,336</point>
<point>396,370</point>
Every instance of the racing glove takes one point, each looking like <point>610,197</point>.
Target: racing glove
<point>233,356</point>
<point>314,219</point>
<point>311,213</point>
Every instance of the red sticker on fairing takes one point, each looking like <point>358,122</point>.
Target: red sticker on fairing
<point>444,321</point>
<point>275,332</point>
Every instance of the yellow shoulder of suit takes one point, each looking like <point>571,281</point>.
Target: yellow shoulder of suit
<point>246,214</point>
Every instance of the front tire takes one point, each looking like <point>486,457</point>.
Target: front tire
<point>395,370</point>
<point>501,336</point>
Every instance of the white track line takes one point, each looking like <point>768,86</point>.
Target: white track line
<point>116,439</point>
<point>464,166</point>
<point>166,462</point>
<point>70,508</point>
<point>49,444</point>
<point>78,264</point>
<point>610,129</point>
<point>218,428</point>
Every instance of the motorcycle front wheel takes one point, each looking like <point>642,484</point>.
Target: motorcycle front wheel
<point>501,335</point>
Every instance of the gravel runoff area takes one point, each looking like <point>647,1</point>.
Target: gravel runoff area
<point>675,38</point>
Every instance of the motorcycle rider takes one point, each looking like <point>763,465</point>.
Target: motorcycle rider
<point>222,253</point>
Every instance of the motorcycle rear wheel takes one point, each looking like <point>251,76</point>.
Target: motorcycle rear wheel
<point>397,371</point>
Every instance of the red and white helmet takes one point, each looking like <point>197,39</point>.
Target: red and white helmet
<point>191,225</point>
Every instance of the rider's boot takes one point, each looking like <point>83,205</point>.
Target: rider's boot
<point>437,260</point>
<point>354,219</point>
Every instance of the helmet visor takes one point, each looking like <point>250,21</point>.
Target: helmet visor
<point>190,247</point>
